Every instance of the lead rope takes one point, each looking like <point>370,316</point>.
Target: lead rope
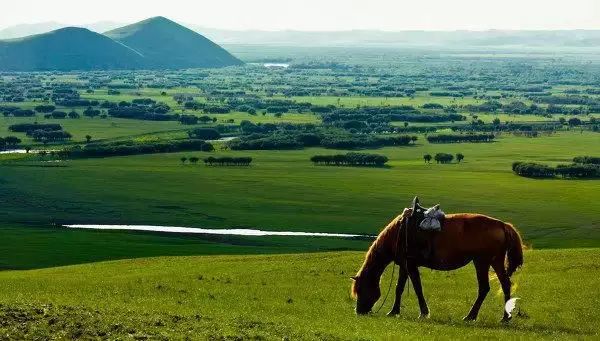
<point>393,271</point>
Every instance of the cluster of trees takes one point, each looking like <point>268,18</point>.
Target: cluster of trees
<point>45,108</point>
<point>350,159</point>
<point>224,103</point>
<point>587,160</point>
<point>520,108</point>
<point>130,148</point>
<point>47,136</point>
<point>9,142</point>
<point>457,138</point>
<point>16,111</point>
<point>62,115</point>
<point>193,159</point>
<point>25,127</point>
<point>443,157</point>
<point>228,161</point>
<point>291,139</point>
<point>204,134</point>
<point>42,132</point>
<point>513,127</point>
<point>143,112</point>
<point>582,167</point>
<point>366,141</point>
<point>368,118</point>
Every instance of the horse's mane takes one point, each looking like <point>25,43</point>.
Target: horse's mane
<point>389,233</point>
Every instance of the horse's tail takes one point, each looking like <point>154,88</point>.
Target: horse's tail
<point>514,249</point>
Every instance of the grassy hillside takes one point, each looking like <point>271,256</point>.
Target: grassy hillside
<point>166,44</point>
<point>288,297</point>
<point>155,43</point>
<point>67,49</point>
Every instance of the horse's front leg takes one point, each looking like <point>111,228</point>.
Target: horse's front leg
<point>415,278</point>
<point>403,276</point>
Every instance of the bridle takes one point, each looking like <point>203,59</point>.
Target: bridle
<point>396,251</point>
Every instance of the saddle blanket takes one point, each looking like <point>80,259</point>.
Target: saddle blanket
<point>432,222</point>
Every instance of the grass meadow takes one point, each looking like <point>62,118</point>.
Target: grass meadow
<point>301,296</point>
<point>283,190</point>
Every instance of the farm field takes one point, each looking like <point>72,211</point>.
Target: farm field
<point>302,296</point>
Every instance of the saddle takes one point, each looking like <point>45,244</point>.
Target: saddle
<point>422,226</point>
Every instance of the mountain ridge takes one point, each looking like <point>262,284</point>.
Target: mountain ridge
<point>155,43</point>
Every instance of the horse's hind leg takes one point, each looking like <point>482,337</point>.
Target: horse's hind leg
<point>399,290</point>
<point>500,270</point>
<point>482,268</point>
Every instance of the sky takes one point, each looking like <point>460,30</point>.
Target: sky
<point>316,15</point>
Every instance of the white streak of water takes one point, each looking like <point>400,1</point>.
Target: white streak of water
<point>194,230</point>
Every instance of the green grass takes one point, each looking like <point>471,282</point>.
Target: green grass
<point>99,129</point>
<point>289,297</point>
<point>282,190</point>
<point>33,247</point>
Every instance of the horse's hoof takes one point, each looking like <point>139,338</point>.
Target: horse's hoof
<point>424,316</point>
<point>393,313</point>
<point>469,318</point>
<point>506,319</point>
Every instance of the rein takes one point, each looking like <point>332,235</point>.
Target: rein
<point>396,249</point>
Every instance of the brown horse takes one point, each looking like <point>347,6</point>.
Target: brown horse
<point>464,238</point>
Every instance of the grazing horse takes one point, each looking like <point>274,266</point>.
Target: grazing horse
<point>464,238</point>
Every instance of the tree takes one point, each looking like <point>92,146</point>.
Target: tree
<point>459,157</point>
<point>443,158</point>
<point>427,158</point>
<point>574,121</point>
<point>194,160</point>
<point>183,159</point>
<point>88,138</point>
<point>496,121</point>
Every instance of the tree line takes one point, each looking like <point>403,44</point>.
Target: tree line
<point>457,138</point>
<point>228,161</point>
<point>350,159</point>
<point>324,138</point>
<point>125,148</point>
<point>42,132</point>
<point>443,157</point>
<point>582,167</point>
<point>9,142</point>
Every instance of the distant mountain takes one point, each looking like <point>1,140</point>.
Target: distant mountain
<point>548,38</point>
<point>166,44</point>
<point>24,30</point>
<point>67,49</point>
<point>156,43</point>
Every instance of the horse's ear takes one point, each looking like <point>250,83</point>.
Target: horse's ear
<point>415,203</point>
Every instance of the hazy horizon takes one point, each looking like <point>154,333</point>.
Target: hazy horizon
<point>328,15</point>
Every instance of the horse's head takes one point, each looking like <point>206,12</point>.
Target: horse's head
<point>366,291</point>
